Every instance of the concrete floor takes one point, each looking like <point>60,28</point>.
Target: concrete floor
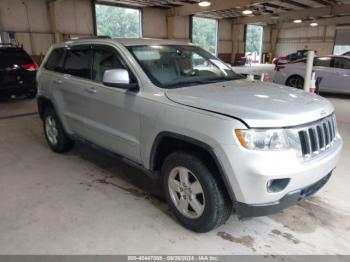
<point>85,202</point>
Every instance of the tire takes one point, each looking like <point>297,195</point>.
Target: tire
<point>296,82</point>
<point>31,95</point>
<point>55,135</point>
<point>206,210</point>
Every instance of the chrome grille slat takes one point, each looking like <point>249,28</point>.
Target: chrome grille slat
<point>317,137</point>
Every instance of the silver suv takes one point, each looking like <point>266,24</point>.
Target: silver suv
<point>217,141</point>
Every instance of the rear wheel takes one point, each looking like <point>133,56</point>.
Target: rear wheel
<point>296,82</point>
<point>195,197</point>
<point>55,135</point>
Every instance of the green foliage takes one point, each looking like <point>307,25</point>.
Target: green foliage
<point>117,21</point>
<point>204,33</point>
<point>253,38</point>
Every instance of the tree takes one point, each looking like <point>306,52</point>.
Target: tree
<point>253,38</point>
<point>204,33</point>
<point>117,21</point>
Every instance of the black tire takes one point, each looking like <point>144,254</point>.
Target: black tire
<point>64,143</point>
<point>31,95</point>
<point>296,82</point>
<point>217,208</point>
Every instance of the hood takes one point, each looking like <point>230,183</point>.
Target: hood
<point>258,104</point>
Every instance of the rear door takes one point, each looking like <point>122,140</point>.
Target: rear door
<point>71,83</point>
<point>323,67</point>
<point>110,114</point>
<point>341,75</point>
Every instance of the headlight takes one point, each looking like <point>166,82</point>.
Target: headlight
<point>263,139</point>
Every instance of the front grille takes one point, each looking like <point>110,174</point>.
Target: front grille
<point>318,137</point>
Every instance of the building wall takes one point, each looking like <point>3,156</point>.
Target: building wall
<point>154,22</point>
<point>319,38</point>
<point>225,40</point>
<point>30,20</point>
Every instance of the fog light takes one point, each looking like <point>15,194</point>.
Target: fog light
<point>277,185</point>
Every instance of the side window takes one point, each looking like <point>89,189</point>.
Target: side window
<point>105,58</point>
<point>342,63</point>
<point>346,64</point>
<point>55,60</point>
<point>338,63</point>
<point>77,61</point>
<point>323,61</point>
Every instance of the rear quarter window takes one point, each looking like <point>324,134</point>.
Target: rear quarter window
<point>77,62</point>
<point>13,56</point>
<point>55,60</point>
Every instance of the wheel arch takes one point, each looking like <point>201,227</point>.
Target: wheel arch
<point>43,102</point>
<point>293,75</point>
<point>168,142</point>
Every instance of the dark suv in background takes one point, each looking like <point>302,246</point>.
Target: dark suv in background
<point>17,72</point>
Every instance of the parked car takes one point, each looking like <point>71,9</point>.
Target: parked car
<point>17,72</point>
<point>333,70</point>
<point>215,140</point>
<point>300,54</point>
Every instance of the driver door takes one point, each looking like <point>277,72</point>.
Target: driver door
<point>111,113</point>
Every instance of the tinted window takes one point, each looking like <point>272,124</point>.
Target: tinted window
<point>346,64</point>
<point>323,61</point>
<point>77,62</point>
<point>13,56</point>
<point>342,63</point>
<point>55,60</point>
<point>104,58</point>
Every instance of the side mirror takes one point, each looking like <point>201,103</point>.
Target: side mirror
<point>118,78</point>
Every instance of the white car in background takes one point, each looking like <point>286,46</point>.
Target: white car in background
<point>334,71</point>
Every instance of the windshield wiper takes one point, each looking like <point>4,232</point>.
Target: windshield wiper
<point>202,82</point>
<point>187,83</point>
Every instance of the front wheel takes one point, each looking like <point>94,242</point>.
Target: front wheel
<point>296,82</point>
<point>195,196</point>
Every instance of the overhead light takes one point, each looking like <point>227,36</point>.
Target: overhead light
<point>247,12</point>
<point>314,24</point>
<point>297,21</point>
<point>204,3</point>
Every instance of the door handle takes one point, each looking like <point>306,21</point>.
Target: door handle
<point>91,90</point>
<point>59,82</point>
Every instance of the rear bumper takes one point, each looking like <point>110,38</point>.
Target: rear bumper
<point>17,89</point>
<point>245,210</point>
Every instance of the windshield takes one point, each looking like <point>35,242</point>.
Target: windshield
<point>171,66</point>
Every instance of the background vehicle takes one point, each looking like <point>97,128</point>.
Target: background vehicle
<point>346,54</point>
<point>17,72</point>
<point>214,139</point>
<point>300,54</point>
<point>334,71</point>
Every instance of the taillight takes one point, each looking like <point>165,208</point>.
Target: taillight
<point>30,67</point>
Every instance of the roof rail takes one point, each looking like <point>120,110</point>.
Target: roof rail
<point>16,45</point>
<point>91,37</point>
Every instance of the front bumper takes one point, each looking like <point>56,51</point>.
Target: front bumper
<point>248,172</point>
<point>244,210</point>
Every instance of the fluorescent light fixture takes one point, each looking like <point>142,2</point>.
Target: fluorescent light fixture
<point>247,12</point>
<point>204,3</point>
<point>297,21</point>
<point>314,24</point>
